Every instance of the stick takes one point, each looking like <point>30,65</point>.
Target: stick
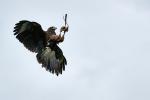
<point>66,25</point>
<point>65,20</point>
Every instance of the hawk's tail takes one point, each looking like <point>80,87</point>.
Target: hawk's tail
<point>52,60</point>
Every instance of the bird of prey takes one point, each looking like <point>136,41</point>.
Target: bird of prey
<point>43,43</point>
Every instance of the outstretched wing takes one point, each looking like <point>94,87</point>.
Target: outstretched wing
<point>30,34</point>
<point>52,59</point>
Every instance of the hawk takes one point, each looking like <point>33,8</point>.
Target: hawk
<point>43,43</point>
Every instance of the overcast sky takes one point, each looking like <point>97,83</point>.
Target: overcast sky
<point>107,48</point>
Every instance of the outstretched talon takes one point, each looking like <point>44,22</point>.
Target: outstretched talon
<point>64,29</point>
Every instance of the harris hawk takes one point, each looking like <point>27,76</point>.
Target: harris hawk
<point>43,43</point>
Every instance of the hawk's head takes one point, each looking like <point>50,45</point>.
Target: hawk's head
<point>51,29</point>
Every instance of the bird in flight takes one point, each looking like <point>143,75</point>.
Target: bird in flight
<point>43,43</point>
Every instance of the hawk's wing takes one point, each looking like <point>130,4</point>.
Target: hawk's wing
<point>30,34</point>
<point>52,59</point>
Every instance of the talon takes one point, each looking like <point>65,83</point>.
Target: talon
<point>64,29</point>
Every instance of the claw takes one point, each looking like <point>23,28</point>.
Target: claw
<point>64,29</point>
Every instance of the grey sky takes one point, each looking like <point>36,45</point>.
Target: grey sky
<point>107,48</point>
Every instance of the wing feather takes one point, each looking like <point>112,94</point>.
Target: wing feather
<point>30,34</point>
<point>52,60</point>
